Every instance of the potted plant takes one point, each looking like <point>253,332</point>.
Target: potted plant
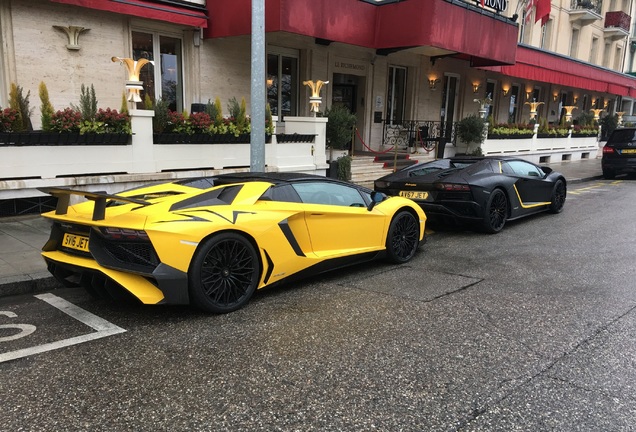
<point>470,130</point>
<point>339,133</point>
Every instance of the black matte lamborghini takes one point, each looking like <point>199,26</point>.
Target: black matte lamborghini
<point>482,191</point>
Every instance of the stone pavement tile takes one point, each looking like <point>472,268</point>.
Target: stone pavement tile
<point>31,232</point>
<point>22,263</point>
<point>10,244</point>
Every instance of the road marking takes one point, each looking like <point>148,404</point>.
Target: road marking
<point>103,329</point>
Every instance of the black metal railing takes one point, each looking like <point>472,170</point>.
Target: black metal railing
<point>593,5</point>
<point>417,133</point>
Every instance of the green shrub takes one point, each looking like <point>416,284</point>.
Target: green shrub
<point>160,120</point>
<point>340,125</point>
<point>344,168</point>
<point>46,108</point>
<point>471,130</point>
<point>20,103</point>
<point>88,103</point>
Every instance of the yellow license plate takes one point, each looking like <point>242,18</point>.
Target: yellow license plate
<point>414,195</point>
<point>628,151</point>
<point>75,242</point>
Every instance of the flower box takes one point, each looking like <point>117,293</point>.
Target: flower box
<point>295,137</point>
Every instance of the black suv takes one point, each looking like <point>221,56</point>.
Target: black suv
<point>619,154</point>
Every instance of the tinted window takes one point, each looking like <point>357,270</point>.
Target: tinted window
<point>525,169</point>
<point>622,136</point>
<point>329,193</point>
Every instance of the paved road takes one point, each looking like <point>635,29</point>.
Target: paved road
<point>530,329</point>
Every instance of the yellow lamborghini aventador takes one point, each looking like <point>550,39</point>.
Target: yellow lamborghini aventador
<point>213,241</point>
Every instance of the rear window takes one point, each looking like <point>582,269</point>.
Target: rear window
<point>622,136</point>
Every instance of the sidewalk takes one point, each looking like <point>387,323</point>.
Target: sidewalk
<point>22,269</point>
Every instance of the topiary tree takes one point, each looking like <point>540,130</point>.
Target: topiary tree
<point>471,131</point>
<point>88,103</point>
<point>20,103</point>
<point>340,123</point>
<point>46,108</point>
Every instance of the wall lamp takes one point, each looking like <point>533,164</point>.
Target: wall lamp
<point>476,87</point>
<point>505,91</point>
<point>576,99</point>
<point>432,83</point>
<point>555,96</point>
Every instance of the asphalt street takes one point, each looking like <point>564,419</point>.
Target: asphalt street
<point>529,330</point>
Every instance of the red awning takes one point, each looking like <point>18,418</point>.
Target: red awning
<point>452,28</point>
<point>146,9</point>
<point>537,65</point>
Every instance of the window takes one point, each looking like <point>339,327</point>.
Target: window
<point>282,82</point>
<point>521,168</point>
<point>330,194</point>
<point>594,50</point>
<point>618,58</point>
<point>606,54</point>
<point>396,94</point>
<point>490,93</point>
<point>546,35</point>
<point>164,79</point>
<point>514,104</point>
<point>574,42</point>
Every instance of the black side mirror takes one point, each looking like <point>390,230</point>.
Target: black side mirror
<point>376,197</point>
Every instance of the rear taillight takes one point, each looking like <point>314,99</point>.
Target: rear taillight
<point>452,187</point>
<point>608,150</point>
<point>124,234</point>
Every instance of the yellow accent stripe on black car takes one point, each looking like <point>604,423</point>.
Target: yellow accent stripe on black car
<point>527,206</point>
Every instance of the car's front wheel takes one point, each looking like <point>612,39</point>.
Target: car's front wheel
<point>224,273</point>
<point>558,197</point>
<point>403,238</point>
<point>496,212</point>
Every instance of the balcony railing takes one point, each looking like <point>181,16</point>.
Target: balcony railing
<point>617,19</point>
<point>616,25</point>
<point>591,5</point>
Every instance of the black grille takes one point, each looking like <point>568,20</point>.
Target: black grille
<point>27,206</point>
<point>137,256</point>
<point>136,253</point>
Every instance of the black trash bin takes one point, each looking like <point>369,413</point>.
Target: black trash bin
<point>441,146</point>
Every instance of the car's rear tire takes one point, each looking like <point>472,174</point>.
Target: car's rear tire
<point>609,174</point>
<point>403,237</point>
<point>224,273</point>
<point>496,212</point>
<point>559,192</point>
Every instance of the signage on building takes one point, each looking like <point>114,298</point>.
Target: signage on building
<point>498,5</point>
<point>350,67</point>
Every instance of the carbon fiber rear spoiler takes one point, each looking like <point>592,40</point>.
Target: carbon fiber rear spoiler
<point>99,211</point>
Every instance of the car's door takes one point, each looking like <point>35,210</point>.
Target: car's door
<point>338,220</point>
<point>530,185</point>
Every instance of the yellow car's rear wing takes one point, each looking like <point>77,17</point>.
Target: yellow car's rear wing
<point>101,198</point>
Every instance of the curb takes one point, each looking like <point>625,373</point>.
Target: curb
<point>27,284</point>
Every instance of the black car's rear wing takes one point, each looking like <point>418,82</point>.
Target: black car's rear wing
<point>101,198</point>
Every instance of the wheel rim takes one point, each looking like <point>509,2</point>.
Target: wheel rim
<point>559,195</point>
<point>498,211</point>
<point>405,236</point>
<point>227,272</point>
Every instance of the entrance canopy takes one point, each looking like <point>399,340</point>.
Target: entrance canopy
<point>193,16</point>
<point>452,27</point>
<point>538,65</point>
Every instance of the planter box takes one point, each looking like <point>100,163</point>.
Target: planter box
<point>511,136</point>
<point>202,138</point>
<point>295,137</point>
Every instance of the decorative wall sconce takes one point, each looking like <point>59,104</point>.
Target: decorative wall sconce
<point>315,100</point>
<point>576,99</point>
<point>476,87</point>
<point>73,33</point>
<point>133,85</point>
<point>606,105</point>
<point>505,92</point>
<point>528,94</point>
<point>555,97</point>
<point>432,83</point>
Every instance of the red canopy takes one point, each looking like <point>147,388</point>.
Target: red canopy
<point>146,9</point>
<point>537,65</point>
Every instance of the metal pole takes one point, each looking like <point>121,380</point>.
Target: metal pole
<point>257,91</point>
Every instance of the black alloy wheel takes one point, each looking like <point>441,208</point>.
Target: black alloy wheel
<point>403,238</point>
<point>496,212</point>
<point>224,273</point>
<point>558,197</point>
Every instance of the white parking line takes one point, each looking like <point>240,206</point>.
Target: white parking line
<point>103,329</point>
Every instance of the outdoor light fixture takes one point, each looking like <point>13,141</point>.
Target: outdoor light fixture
<point>528,93</point>
<point>432,83</point>
<point>576,99</point>
<point>555,97</point>
<point>476,87</point>
<point>505,91</point>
